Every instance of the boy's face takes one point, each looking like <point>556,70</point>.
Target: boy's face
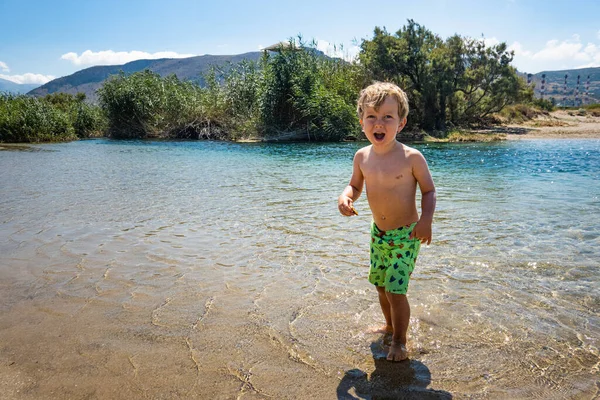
<point>381,126</point>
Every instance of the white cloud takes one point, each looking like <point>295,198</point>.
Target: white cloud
<point>28,78</point>
<point>4,67</point>
<point>109,57</point>
<point>490,42</point>
<point>519,50</point>
<point>561,51</point>
<point>556,55</point>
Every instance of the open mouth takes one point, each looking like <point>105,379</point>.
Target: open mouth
<point>379,136</point>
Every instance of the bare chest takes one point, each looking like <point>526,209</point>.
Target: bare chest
<point>389,174</point>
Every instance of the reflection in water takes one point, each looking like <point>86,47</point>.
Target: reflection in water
<point>409,379</point>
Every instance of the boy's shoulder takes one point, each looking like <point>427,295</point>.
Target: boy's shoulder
<point>363,150</point>
<point>411,151</point>
<point>407,148</point>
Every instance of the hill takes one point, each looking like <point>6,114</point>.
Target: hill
<point>554,87</point>
<point>91,79</point>
<point>17,88</point>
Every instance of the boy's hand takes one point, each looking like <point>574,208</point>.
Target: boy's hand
<point>346,206</point>
<point>422,231</point>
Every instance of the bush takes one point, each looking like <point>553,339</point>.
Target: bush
<point>519,113</point>
<point>144,105</point>
<point>295,92</point>
<point>593,109</point>
<point>30,120</point>
<point>306,92</point>
<point>544,104</point>
<point>88,121</point>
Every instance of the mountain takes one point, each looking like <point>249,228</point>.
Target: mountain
<point>91,79</point>
<point>554,86</point>
<point>17,88</point>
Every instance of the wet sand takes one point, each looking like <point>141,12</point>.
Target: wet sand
<point>88,326</point>
<point>82,322</point>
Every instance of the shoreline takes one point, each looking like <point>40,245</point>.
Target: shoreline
<point>559,124</point>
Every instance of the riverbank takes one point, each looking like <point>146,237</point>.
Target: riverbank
<point>559,124</point>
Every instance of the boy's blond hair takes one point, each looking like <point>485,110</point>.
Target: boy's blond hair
<point>375,94</point>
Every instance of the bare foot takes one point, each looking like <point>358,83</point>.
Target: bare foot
<point>397,352</point>
<point>383,329</point>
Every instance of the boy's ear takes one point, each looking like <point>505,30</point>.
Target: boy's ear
<point>402,124</point>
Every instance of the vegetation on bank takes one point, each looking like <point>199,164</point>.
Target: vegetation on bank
<point>467,136</point>
<point>54,118</point>
<point>294,92</point>
<point>450,83</point>
<point>591,109</point>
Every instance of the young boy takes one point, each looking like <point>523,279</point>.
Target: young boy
<point>391,171</point>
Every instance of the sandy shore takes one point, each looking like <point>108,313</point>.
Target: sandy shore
<point>560,124</point>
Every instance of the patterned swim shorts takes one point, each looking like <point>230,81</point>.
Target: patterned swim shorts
<point>393,258</point>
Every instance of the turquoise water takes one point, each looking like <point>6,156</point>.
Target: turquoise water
<point>234,258</point>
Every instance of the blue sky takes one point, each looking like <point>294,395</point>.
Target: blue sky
<point>43,40</point>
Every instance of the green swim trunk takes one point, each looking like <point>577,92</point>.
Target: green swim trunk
<point>393,258</point>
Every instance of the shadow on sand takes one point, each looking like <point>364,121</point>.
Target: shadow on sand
<point>408,379</point>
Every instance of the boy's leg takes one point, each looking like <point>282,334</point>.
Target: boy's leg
<point>386,309</point>
<point>400,314</point>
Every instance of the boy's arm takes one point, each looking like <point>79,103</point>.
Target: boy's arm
<point>422,230</point>
<point>352,192</point>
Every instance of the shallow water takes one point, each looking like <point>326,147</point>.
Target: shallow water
<point>219,270</point>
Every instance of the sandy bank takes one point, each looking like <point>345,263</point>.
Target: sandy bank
<point>560,124</point>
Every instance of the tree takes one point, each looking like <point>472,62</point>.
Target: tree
<point>457,81</point>
<point>489,82</point>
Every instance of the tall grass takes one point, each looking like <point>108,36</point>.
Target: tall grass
<point>291,91</point>
<point>54,118</point>
<point>27,119</point>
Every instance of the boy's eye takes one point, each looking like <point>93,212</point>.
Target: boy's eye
<point>370,116</point>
